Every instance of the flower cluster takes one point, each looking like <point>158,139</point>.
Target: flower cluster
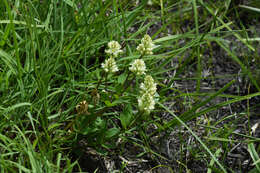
<point>114,48</point>
<point>138,67</point>
<point>146,103</point>
<point>110,65</point>
<point>82,107</point>
<point>148,86</point>
<point>148,89</point>
<point>146,46</point>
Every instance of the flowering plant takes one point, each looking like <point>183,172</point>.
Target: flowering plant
<point>138,67</point>
<point>130,89</point>
<point>146,46</point>
<point>114,48</point>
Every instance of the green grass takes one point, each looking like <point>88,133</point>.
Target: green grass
<point>50,60</point>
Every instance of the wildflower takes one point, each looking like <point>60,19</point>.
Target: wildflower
<point>254,127</point>
<point>205,73</point>
<point>150,2</point>
<point>82,107</point>
<point>148,86</point>
<point>146,103</point>
<point>138,67</point>
<point>148,89</point>
<point>146,46</point>
<point>114,48</point>
<point>110,65</point>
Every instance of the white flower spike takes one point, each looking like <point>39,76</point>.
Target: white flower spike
<point>146,103</point>
<point>146,46</point>
<point>148,89</point>
<point>110,65</point>
<point>138,67</point>
<point>114,48</point>
<point>148,86</point>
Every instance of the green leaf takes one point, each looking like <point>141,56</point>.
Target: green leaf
<point>71,3</point>
<point>254,170</point>
<point>250,8</point>
<point>257,162</point>
<point>11,108</point>
<point>217,154</point>
<point>254,155</point>
<point>9,61</point>
<point>112,132</point>
<point>122,78</point>
<point>108,103</point>
<point>126,116</point>
<point>114,103</point>
<point>54,125</point>
<point>221,139</point>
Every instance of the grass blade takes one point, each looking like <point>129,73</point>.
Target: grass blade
<point>254,155</point>
<point>195,136</point>
<point>188,115</point>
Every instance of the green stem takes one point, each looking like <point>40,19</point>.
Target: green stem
<point>127,83</point>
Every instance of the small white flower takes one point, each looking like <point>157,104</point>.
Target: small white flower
<point>110,65</point>
<point>254,127</point>
<point>148,86</point>
<point>146,46</point>
<point>205,73</point>
<point>146,103</point>
<point>114,48</point>
<point>138,67</point>
<point>150,2</point>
